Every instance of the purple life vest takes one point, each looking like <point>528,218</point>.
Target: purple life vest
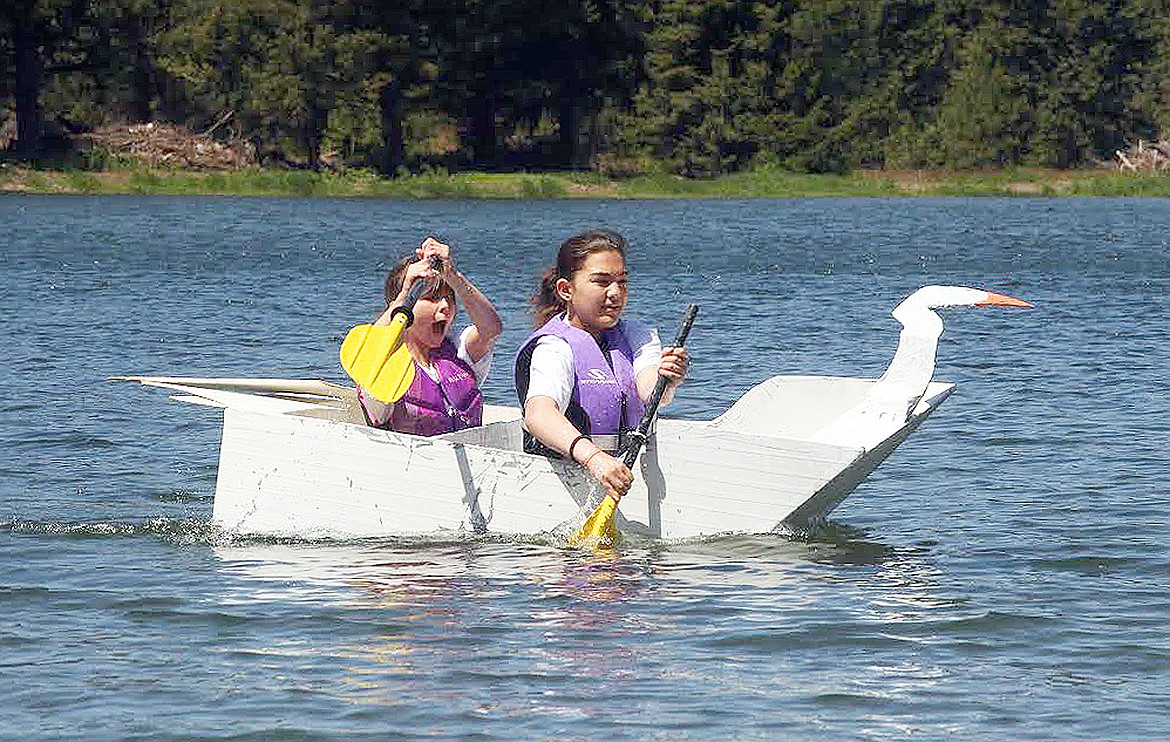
<point>605,397</point>
<point>432,408</point>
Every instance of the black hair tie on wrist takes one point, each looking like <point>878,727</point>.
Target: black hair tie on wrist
<point>573,445</point>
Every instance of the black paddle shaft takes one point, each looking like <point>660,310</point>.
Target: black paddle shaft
<point>637,438</point>
<point>416,290</point>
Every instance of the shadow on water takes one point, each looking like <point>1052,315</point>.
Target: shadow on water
<point>822,542</point>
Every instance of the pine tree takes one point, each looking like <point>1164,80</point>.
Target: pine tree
<point>39,39</point>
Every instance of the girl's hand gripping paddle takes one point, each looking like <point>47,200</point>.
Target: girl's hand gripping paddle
<point>599,529</point>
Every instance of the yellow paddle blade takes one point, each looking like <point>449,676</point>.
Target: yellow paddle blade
<point>374,357</point>
<point>599,530</point>
<point>395,377</point>
<point>367,347</point>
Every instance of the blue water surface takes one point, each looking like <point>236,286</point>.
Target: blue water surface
<point>1003,575</point>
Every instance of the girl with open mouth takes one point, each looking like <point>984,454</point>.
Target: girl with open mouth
<point>444,395</point>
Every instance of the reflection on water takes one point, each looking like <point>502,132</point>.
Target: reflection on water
<point>497,612</point>
<point>408,572</point>
<point>423,609</point>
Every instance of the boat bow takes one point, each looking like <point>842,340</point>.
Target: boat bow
<point>892,400</point>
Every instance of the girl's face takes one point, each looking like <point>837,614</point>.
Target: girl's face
<point>433,314</point>
<point>596,294</point>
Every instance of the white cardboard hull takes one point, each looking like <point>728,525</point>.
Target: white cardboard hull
<point>310,476</point>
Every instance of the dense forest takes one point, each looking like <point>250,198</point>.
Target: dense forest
<point>695,87</point>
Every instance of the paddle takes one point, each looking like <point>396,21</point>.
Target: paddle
<point>374,355</point>
<point>599,528</point>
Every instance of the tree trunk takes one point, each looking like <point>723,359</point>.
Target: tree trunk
<point>28,81</point>
<point>482,130</point>
<point>141,72</point>
<point>393,138</point>
<point>314,133</point>
<point>569,121</point>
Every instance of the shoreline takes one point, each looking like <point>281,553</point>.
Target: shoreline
<point>1017,182</point>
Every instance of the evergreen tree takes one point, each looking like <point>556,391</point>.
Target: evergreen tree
<point>1092,52</point>
<point>1151,99</point>
<point>476,48</point>
<point>984,117</point>
<point>127,82</point>
<point>584,54</point>
<point>398,49</point>
<point>280,67</point>
<point>703,107</point>
<point>39,39</point>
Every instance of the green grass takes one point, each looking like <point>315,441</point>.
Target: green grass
<point>127,178</point>
<point>755,184</point>
<point>1122,184</point>
<point>81,181</point>
<point>1038,182</point>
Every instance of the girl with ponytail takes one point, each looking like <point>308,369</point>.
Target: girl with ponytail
<point>584,374</point>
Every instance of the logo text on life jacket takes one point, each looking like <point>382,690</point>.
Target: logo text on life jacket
<point>597,376</point>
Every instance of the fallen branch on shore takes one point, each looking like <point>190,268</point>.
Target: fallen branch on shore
<point>168,145</point>
<point>1145,157</point>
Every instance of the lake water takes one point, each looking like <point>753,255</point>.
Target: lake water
<point>1003,575</point>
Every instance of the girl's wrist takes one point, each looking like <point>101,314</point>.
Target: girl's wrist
<point>573,445</point>
<point>459,282</point>
<point>590,457</point>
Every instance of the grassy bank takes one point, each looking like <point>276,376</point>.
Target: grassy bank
<point>757,184</point>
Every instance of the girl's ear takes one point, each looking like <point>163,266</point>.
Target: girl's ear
<point>564,289</point>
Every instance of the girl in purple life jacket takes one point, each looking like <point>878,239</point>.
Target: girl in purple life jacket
<point>445,394</point>
<point>584,375</point>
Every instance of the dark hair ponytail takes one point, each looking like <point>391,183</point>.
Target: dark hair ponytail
<point>546,303</point>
